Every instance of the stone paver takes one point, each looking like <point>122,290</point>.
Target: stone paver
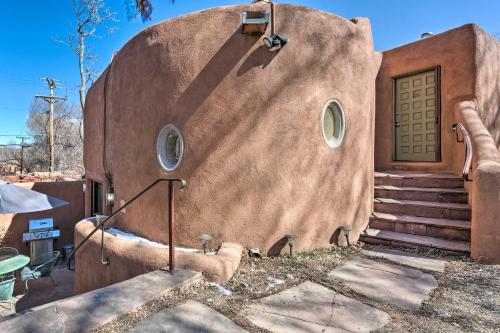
<point>310,307</point>
<point>189,317</point>
<point>388,283</point>
<point>406,258</point>
<point>87,311</point>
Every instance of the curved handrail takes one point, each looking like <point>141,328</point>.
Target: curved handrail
<point>469,151</point>
<point>102,223</point>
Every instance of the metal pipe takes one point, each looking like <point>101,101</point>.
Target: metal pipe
<point>171,225</point>
<point>469,151</point>
<point>104,261</point>
<point>272,17</point>
<point>270,2</point>
<point>102,223</point>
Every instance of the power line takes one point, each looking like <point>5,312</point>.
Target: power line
<point>51,99</point>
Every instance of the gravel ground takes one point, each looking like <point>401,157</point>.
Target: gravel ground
<point>467,300</point>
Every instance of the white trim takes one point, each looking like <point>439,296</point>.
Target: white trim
<point>333,143</point>
<point>161,149</point>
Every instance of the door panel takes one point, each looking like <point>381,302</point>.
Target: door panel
<point>416,117</point>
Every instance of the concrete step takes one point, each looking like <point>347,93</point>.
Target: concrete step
<point>390,238</point>
<point>455,195</point>
<point>418,179</point>
<point>424,226</point>
<point>440,210</point>
<point>88,311</point>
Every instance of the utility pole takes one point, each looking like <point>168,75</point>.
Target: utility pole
<point>22,149</point>
<point>51,99</point>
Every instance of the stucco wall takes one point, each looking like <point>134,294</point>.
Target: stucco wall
<point>454,52</point>
<point>65,217</point>
<point>255,159</point>
<point>487,60</point>
<point>128,259</point>
<point>484,189</point>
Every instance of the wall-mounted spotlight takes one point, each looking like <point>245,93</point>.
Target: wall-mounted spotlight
<point>110,197</point>
<point>274,41</point>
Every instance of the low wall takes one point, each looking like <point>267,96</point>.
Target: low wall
<point>128,259</point>
<point>65,217</point>
<point>484,189</point>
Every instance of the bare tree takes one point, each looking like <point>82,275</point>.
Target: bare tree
<point>91,16</point>
<point>35,156</point>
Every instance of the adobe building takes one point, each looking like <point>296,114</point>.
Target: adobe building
<point>286,141</point>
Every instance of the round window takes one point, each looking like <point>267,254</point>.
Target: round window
<point>170,147</point>
<point>333,124</point>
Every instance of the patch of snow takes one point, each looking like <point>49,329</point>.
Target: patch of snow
<point>140,240</point>
<point>221,289</point>
<point>273,282</point>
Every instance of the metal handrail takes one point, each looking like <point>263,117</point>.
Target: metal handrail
<point>469,151</point>
<point>171,248</point>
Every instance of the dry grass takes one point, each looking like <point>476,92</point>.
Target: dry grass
<point>467,300</point>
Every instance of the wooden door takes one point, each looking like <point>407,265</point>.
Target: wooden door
<point>416,118</point>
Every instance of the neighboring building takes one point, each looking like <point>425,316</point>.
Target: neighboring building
<point>286,142</point>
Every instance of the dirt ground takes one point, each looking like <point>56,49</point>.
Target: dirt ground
<point>467,299</point>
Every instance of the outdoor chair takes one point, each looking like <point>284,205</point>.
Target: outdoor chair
<point>8,252</point>
<point>7,289</point>
<point>41,271</point>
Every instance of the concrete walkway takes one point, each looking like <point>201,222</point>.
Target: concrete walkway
<point>87,311</point>
<point>386,282</point>
<point>189,317</point>
<point>310,307</point>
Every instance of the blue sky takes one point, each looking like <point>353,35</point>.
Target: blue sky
<point>28,51</point>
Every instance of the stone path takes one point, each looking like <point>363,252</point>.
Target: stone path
<point>189,317</point>
<point>87,311</point>
<point>386,282</point>
<point>407,259</point>
<point>310,307</point>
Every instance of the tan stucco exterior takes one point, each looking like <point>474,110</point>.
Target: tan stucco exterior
<point>453,53</point>
<point>469,62</point>
<point>65,217</point>
<point>254,157</point>
<point>128,259</point>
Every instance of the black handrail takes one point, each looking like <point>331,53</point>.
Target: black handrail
<point>170,220</point>
<point>469,151</point>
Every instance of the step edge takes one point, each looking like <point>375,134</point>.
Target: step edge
<point>467,244</point>
<point>436,190</point>
<point>372,217</point>
<point>424,203</point>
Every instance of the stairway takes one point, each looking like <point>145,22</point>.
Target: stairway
<point>416,209</point>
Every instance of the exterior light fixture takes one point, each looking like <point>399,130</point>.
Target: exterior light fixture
<point>205,238</point>
<point>291,242</point>
<point>254,22</point>
<point>346,229</point>
<point>274,41</point>
<point>110,197</point>
<point>426,35</point>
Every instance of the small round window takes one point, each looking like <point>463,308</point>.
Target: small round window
<point>333,124</point>
<point>170,147</point>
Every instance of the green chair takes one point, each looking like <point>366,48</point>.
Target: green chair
<point>7,289</point>
<point>41,271</point>
<point>8,252</point>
